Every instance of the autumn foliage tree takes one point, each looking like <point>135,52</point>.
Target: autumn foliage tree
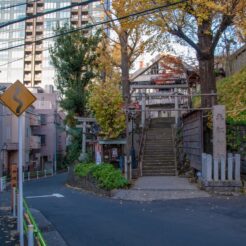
<point>200,24</point>
<point>106,104</point>
<point>127,36</point>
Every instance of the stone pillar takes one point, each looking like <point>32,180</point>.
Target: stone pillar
<point>219,132</point>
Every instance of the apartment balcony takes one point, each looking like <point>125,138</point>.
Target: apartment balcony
<point>28,68</point>
<point>39,28</point>
<point>35,142</point>
<point>28,48</point>
<point>38,58</point>
<point>38,68</point>
<point>40,3</point>
<point>40,19</point>
<point>29,38</point>
<point>74,17</point>
<point>85,17</point>
<point>39,47</point>
<point>40,9</point>
<point>35,120</point>
<point>29,28</point>
<point>75,9</point>
<point>30,10</point>
<point>30,21</point>
<point>27,77</point>
<point>11,146</point>
<point>85,8</point>
<point>38,77</point>
<point>28,58</point>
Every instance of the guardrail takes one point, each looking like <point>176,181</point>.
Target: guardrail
<point>3,183</point>
<point>31,229</point>
<point>37,174</point>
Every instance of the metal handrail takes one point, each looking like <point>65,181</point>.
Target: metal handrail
<point>141,146</point>
<point>37,232</point>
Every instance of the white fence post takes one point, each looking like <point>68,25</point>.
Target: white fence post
<point>45,173</point>
<point>209,167</point>
<point>204,162</point>
<point>125,166</point>
<point>216,169</point>
<point>230,167</point>
<point>237,167</point>
<point>223,168</point>
<point>28,175</point>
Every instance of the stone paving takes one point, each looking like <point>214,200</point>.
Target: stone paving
<point>160,188</point>
<point>8,233</point>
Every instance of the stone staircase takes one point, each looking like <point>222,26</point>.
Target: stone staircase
<point>158,153</point>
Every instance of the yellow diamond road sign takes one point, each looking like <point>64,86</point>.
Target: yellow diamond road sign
<point>17,98</point>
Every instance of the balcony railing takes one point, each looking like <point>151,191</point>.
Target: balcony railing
<point>11,146</point>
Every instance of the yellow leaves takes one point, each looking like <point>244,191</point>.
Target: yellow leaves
<point>106,103</point>
<point>232,93</point>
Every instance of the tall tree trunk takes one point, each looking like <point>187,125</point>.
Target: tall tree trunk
<point>125,67</point>
<point>125,88</point>
<point>206,64</point>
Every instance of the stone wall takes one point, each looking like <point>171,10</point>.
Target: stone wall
<point>86,183</point>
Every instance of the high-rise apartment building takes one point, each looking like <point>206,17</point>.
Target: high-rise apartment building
<point>31,62</point>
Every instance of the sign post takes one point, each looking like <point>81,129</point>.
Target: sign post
<point>18,98</point>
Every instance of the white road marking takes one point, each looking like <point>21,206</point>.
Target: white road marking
<point>57,195</point>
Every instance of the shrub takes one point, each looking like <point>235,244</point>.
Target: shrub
<point>106,176</point>
<point>82,169</point>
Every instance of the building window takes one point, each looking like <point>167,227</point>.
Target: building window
<point>43,140</point>
<point>43,119</point>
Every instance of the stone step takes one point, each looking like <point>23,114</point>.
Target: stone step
<point>161,152</point>
<point>160,132</point>
<point>159,138</point>
<point>158,164</point>
<point>165,148</point>
<point>161,169</point>
<point>147,173</point>
<point>159,159</point>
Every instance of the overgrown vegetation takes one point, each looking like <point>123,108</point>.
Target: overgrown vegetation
<point>106,176</point>
<point>231,93</point>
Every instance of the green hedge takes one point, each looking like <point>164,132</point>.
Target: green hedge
<point>105,175</point>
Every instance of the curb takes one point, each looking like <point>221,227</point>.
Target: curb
<point>50,234</point>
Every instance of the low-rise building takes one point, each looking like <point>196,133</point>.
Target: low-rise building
<point>44,136</point>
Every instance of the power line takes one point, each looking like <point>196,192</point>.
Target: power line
<point>46,12</point>
<point>140,13</point>
<point>18,4</point>
<point>25,56</point>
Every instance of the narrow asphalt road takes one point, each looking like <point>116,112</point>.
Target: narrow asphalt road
<point>84,219</point>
